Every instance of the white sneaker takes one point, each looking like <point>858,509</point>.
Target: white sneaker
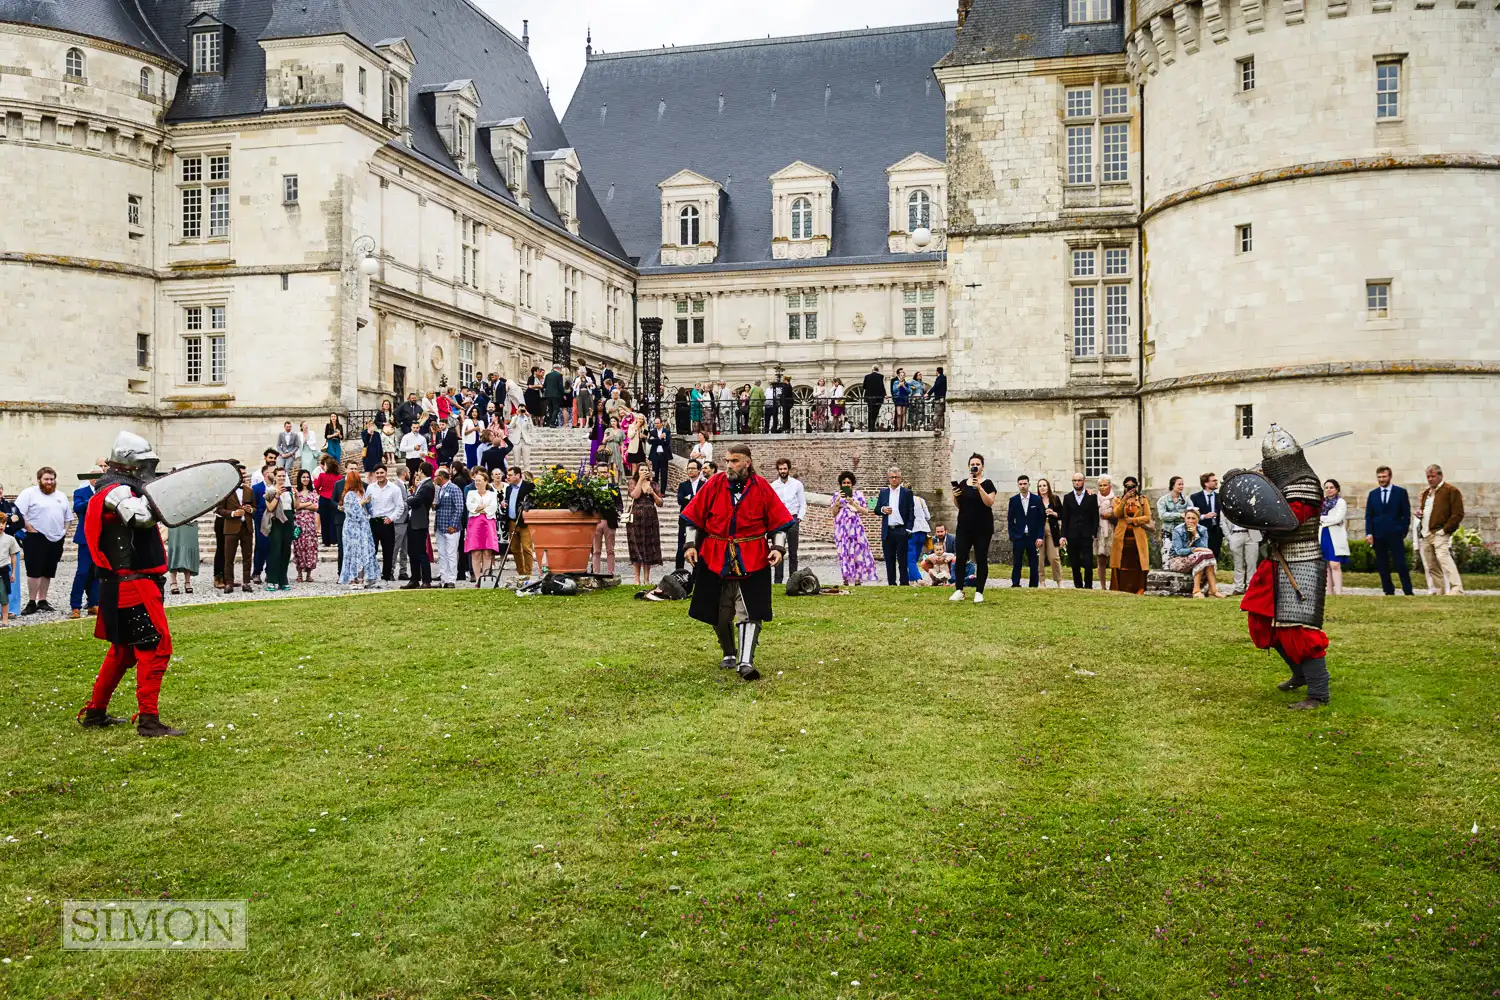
<point>978,597</point>
<point>958,595</point>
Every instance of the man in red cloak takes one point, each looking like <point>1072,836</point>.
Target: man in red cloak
<point>740,527</point>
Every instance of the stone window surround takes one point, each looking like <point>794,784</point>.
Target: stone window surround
<point>805,315</point>
<point>684,191</point>
<point>1096,468</point>
<point>75,65</point>
<point>1095,119</point>
<point>206,300</point>
<point>205,183</point>
<point>916,173</point>
<point>1102,275</point>
<point>789,186</point>
<point>1396,93</point>
<point>690,316</point>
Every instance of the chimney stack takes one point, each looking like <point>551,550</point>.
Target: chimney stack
<point>526,35</point>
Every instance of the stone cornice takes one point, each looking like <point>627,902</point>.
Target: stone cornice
<point>104,45</point>
<point>1123,220</point>
<point>1324,370</point>
<point>163,274</point>
<point>1324,168</point>
<point>971,72</point>
<point>753,281</point>
<point>1062,393</point>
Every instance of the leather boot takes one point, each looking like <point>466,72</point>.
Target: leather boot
<point>98,718</point>
<point>748,672</point>
<point>1291,684</point>
<point>730,661</point>
<point>148,724</point>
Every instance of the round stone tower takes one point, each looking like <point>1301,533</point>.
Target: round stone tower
<point>1321,232</point>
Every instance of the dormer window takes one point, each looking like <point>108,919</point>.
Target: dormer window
<point>802,219</point>
<point>517,171</point>
<point>73,64</point>
<point>208,51</point>
<point>560,169</point>
<point>400,62</point>
<point>688,226</point>
<point>1090,11</point>
<point>918,211</point>
<point>455,108</point>
<point>509,147</point>
<point>465,137</point>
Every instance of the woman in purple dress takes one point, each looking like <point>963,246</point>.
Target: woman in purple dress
<point>856,560</point>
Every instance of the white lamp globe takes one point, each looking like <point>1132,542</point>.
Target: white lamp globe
<point>370,265</point>
<point>921,236</point>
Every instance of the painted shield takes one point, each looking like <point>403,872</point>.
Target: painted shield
<point>191,492</point>
<point>1251,500</point>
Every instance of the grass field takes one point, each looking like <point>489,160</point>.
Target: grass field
<point>474,795</point>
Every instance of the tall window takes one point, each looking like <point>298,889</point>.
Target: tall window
<point>471,240</point>
<point>1378,299</point>
<point>1095,446</point>
<point>524,283</point>
<point>802,316</point>
<point>571,278</point>
<point>464,130</point>
<point>1088,11</point>
<point>919,310</point>
<point>1244,238</point>
<point>687,226</point>
<point>612,311</point>
<point>133,210</point>
<point>802,219</point>
<point>1091,284</point>
<point>690,317</point>
<point>465,361</point>
<point>73,64</point>
<point>395,102</point>
<point>1088,132</point>
<point>205,361</point>
<point>291,189</point>
<point>515,169</point>
<point>364,78</point>
<point>146,81</point>
<point>143,350</point>
<point>1388,88</point>
<point>208,51</point>
<point>1244,421</point>
<point>918,211</point>
<point>205,184</point>
<point>1245,70</point>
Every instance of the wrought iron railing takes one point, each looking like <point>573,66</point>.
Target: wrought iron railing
<point>803,417</point>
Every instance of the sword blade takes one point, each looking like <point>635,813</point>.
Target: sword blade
<point>1326,438</point>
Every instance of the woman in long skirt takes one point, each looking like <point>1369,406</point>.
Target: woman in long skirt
<point>1130,560</point>
<point>856,560</point>
<point>481,541</point>
<point>305,545</point>
<point>643,533</point>
<point>307,455</point>
<point>361,568</point>
<point>182,555</point>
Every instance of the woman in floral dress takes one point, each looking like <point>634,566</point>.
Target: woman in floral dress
<point>361,568</point>
<point>856,561</point>
<point>305,545</point>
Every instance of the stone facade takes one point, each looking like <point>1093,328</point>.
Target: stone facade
<point>120,317</point>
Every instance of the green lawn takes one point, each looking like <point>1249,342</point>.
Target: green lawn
<point>474,795</point>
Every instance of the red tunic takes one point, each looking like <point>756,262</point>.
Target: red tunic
<point>1299,642</point>
<point>132,593</point>
<point>734,535</point>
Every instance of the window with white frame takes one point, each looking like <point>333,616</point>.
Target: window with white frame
<point>133,211</point>
<point>143,350</point>
<point>688,222</point>
<point>471,240</point>
<point>1244,421</point>
<point>1092,127</point>
<point>73,64</point>
<point>290,189</point>
<point>802,316</point>
<point>1244,238</point>
<point>1378,299</point>
<point>204,358</point>
<point>525,288</point>
<point>1245,73</point>
<point>571,280</point>
<point>802,219</point>
<point>1387,88</point>
<point>612,298</point>
<point>463,128</point>
<point>690,321</point>
<point>395,101</point>
<point>1095,446</point>
<point>203,189</point>
<point>364,81</point>
<point>919,310</point>
<point>1089,11</point>
<point>145,81</point>
<point>465,361</point>
<point>1093,286</point>
<point>918,211</point>
<point>208,51</point>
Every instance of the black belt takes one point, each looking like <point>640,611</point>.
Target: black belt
<point>128,575</point>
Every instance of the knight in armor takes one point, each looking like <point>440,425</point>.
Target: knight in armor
<point>1284,600</point>
<point>739,526</point>
<point>120,529</point>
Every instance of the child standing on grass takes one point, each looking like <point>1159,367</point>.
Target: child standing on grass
<point>9,549</point>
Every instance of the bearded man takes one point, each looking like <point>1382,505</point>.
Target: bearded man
<point>739,527</point>
<point>46,514</point>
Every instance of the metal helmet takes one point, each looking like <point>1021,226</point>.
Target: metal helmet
<point>133,453</point>
<point>1284,463</point>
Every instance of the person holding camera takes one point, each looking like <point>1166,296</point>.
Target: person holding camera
<point>975,499</point>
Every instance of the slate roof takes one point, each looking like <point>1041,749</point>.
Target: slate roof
<point>110,20</point>
<point>452,40</point>
<point>998,30</point>
<point>852,103</point>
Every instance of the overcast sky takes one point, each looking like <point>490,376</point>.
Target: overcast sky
<point>558,26</point>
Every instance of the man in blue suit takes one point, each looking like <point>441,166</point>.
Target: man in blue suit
<point>898,512</point>
<point>83,577</point>
<point>1387,523</point>
<point>1026,521</point>
<point>262,543</point>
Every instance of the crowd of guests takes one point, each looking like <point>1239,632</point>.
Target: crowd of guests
<point>767,406</point>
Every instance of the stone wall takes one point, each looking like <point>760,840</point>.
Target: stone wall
<point>818,459</point>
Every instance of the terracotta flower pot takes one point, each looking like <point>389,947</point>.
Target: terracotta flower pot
<point>564,537</point>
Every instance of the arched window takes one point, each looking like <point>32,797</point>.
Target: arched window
<point>145,81</point>
<point>918,212</point>
<point>802,219</point>
<point>687,234</point>
<point>74,63</point>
